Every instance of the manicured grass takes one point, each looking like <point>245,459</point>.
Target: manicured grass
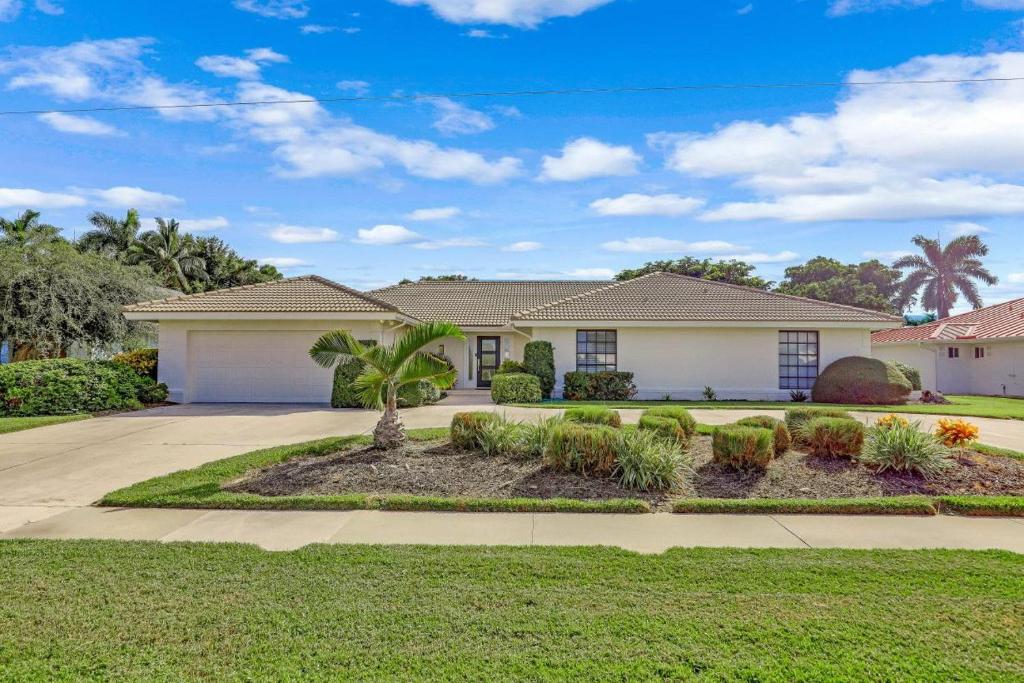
<point>17,424</point>
<point>966,406</point>
<point>985,506</point>
<point>895,505</point>
<point>996,450</point>
<point>201,488</point>
<point>149,611</point>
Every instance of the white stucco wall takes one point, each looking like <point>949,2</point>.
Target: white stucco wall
<point>463,354</point>
<point>922,358</point>
<point>999,373</point>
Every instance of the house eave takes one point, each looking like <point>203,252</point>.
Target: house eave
<point>774,324</point>
<point>382,316</point>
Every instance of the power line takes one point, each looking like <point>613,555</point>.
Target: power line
<point>520,93</point>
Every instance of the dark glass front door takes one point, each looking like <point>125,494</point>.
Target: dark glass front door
<point>488,352</point>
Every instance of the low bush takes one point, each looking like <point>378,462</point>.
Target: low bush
<point>596,415</point>
<point>798,396</point>
<point>913,375</point>
<point>535,436</point>
<point>501,437</point>
<point>142,361</point>
<point>64,386</point>
<point>742,447</point>
<point>465,428</point>
<point>344,394</point>
<point>648,462</point>
<point>665,427</point>
<point>832,436</point>
<point>856,379</point>
<point>797,417</point>
<point>677,413</point>
<point>422,393</point>
<point>905,448</point>
<point>781,437</point>
<point>584,449</point>
<point>509,366</point>
<point>599,386</point>
<point>539,359</point>
<point>515,388</point>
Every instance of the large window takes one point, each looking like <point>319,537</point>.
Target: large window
<point>596,351</point>
<point>798,359</point>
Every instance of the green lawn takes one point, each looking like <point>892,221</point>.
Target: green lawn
<point>148,611</point>
<point>967,406</point>
<point>16,424</point>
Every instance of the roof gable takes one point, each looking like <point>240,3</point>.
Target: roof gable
<point>999,321</point>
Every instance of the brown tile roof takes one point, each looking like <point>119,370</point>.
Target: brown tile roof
<point>665,297</point>
<point>483,303</point>
<point>306,294</point>
<point>1001,321</point>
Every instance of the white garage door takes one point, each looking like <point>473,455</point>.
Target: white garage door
<point>256,367</point>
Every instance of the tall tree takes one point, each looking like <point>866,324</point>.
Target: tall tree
<point>732,271</point>
<point>170,255</point>
<point>26,229</point>
<point>111,236</point>
<point>455,277</point>
<point>224,267</point>
<point>870,284</point>
<point>942,273</point>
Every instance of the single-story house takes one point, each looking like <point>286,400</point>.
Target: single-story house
<point>980,352</point>
<point>677,334</point>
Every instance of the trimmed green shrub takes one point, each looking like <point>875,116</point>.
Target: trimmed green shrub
<point>465,428</point>
<point>344,395</point>
<point>585,449</point>
<point>539,359</point>
<point>509,366</point>
<point>597,415</point>
<point>905,448</point>
<point>665,427</point>
<point>677,413</point>
<point>535,435</point>
<point>515,388</point>
<point>833,436</point>
<point>797,417</point>
<point>68,385</point>
<point>780,432</point>
<point>142,361</point>
<point>648,462</point>
<point>501,437</point>
<point>742,447</point>
<point>856,379</point>
<point>420,393</point>
<point>599,386</point>
<point>913,375</point>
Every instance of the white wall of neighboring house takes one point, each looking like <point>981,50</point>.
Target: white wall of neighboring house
<point>921,357</point>
<point>999,372</point>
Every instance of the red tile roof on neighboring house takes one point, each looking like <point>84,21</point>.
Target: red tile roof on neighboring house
<point>1001,321</point>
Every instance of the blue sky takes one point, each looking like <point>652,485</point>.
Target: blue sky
<point>567,186</point>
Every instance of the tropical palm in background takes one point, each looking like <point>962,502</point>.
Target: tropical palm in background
<point>112,237</point>
<point>944,273</point>
<point>26,229</point>
<point>169,255</point>
<point>388,368</point>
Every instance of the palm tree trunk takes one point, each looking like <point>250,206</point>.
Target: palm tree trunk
<point>389,432</point>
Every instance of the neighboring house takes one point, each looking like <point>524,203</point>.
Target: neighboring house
<point>676,334</point>
<point>980,352</point>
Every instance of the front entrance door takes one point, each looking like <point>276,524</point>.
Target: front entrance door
<point>488,352</point>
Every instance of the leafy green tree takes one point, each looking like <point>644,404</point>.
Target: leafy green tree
<point>224,267</point>
<point>388,368</point>
<point>731,271</point>
<point>454,277</point>
<point>26,228</point>
<point>170,255</point>
<point>944,272</point>
<point>112,236</point>
<point>870,284</point>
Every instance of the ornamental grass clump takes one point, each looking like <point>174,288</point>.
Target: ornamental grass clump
<point>501,437</point>
<point>677,413</point>
<point>582,448</point>
<point>833,437</point>
<point>905,448</point>
<point>742,448</point>
<point>780,432</point>
<point>649,462</point>
<point>535,436</point>
<point>466,427</point>
<point>797,417</point>
<point>596,415</point>
<point>665,427</point>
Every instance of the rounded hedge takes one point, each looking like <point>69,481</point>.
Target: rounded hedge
<point>69,385</point>
<point>515,387</point>
<point>857,379</point>
<point>742,447</point>
<point>665,427</point>
<point>780,432</point>
<point>677,413</point>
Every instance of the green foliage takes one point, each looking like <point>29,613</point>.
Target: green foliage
<point>594,415</point>
<point>142,361</point>
<point>905,448</point>
<point>646,461</point>
<point>599,386</point>
<point>798,396</point>
<point>170,255</point>
<point>913,375</point>
<point>781,437</point>
<point>742,447</point>
<point>582,448</point>
<point>943,273</point>
<point>732,271</point>
<point>709,394</point>
<point>856,379</point>
<point>882,505</point>
<point>870,284</point>
<point>677,413</point>
<point>515,388</point>
<point>832,436</point>
<point>797,417</point>
<point>665,427</point>
<point>466,427</point>
<point>343,392</point>
<point>421,393</point>
<point>539,358</point>
<point>509,366</point>
<point>502,437</point>
<point>68,385</point>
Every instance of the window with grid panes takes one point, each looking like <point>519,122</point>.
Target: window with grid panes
<point>596,350</point>
<point>798,359</point>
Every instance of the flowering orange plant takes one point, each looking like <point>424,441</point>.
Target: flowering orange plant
<point>956,433</point>
<point>890,421</point>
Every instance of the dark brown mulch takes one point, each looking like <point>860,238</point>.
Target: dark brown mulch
<point>974,474</point>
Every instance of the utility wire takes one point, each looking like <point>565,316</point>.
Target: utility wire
<point>521,93</point>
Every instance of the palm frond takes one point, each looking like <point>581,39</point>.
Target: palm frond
<point>912,261</point>
<point>427,333</point>
<point>424,366</point>
<point>910,287</point>
<point>977,271</point>
<point>969,290</point>
<point>370,386</point>
<point>963,247</point>
<point>337,345</point>
<point>932,249</point>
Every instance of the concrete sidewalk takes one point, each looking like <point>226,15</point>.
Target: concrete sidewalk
<point>648,533</point>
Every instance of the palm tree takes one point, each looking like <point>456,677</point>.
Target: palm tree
<point>943,271</point>
<point>388,368</point>
<point>27,228</point>
<point>169,255</point>
<point>112,236</point>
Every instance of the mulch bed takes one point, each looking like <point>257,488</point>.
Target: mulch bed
<point>436,468</point>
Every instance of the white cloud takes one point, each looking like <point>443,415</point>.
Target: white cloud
<point>386,235</point>
<point>759,257</point>
<point>351,30</point>
<point>298,234</point>
<point>452,243</point>
<point>482,33</point>
<point>25,198</point>
<point>839,8</point>
<point>81,125</point>
<point>49,7</point>
<point>457,119</point>
<point>522,246</point>
<point>1011,5</point>
<point>886,255</point>
<point>965,228</point>
<point>126,197</point>
<point>584,158</point>
<point>599,273</point>
<point>666,245</point>
<point>10,9</point>
<point>316,29</point>
<point>434,214</point>
<point>358,88</point>
<point>746,9</point>
<point>283,262</point>
<point>646,205</point>
<point>521,13</point>
<point>275,9</point>
<point>1016,278</point>
<point>203,224</point>
<point>249,68</point>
